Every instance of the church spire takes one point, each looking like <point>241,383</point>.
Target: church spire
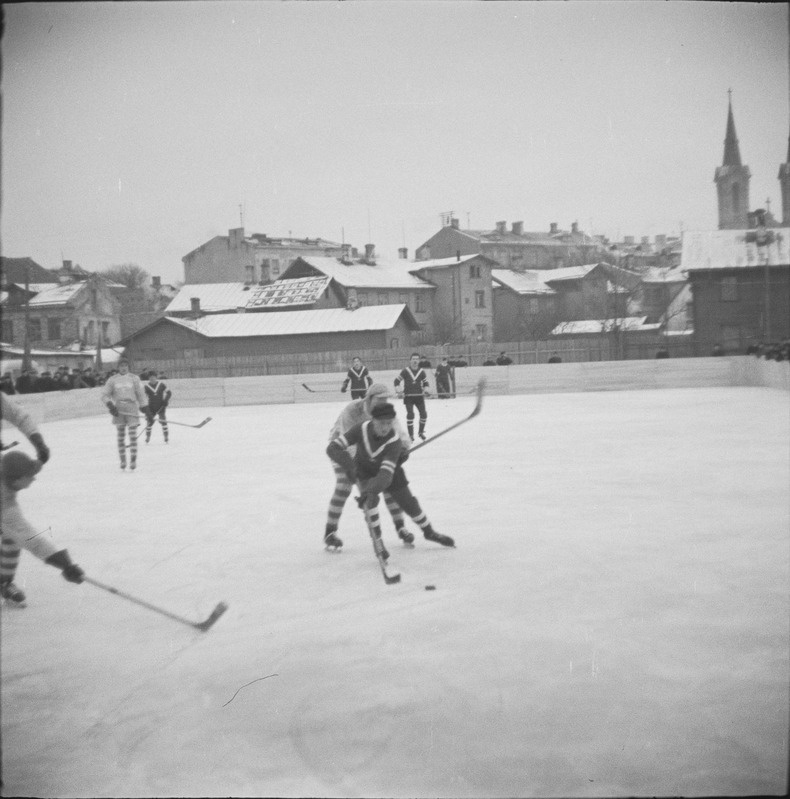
<point>732,153</point>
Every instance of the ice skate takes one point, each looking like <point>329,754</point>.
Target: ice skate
<point>422,436</point>
<point>148,436</point>
<point>444,540</point>
<point>13,595</point>
<point>406,536</point>
<point>332,542</point>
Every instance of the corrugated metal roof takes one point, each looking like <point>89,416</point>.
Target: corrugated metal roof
<point>216,297</point>
<point>722,249</point>
<point>383,274</point>
<point>294,323</point>
<point>593,326</point>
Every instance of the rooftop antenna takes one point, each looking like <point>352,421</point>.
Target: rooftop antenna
<point>468,223</point>
<point>241,215</point>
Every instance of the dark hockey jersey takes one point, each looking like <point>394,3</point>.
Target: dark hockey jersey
<point>158,395</point>
<point>415,382</point>
<point>372,455</point>
<point>360,380</point>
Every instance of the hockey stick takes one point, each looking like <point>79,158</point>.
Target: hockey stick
<point>182,424</point>
<point>320,390</point>
<point>10,446</point>
<point>481,384</point>
<point>203,626</point>
<point>388,579</point>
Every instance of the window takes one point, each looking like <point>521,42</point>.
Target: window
<point>105,331</point>
<point>474,270</point>
<point>394,343</point>
<point>34,330</point>
<point>534,306</point>
<point>275,266</point>
<point>729,289</point>
<point>89,334</point>
<point>731,338</point>
<point>419,305</point>
<point>53,329</point>
<point>480,332</point>
<point>362,299</point>
<point>8,330</point>
<point>480,299</point>
<point>382,299</point>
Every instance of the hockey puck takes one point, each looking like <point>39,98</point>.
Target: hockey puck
<point>430,587</point>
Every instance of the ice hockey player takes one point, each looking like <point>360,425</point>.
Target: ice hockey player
<point>355,413</point>
<point>17,472</point>
<point>415,389</point>
<point>158,399</point>
<point>359,378</point>
<point>16,415</point>
<point>124,397</point>
<point>377,466</point>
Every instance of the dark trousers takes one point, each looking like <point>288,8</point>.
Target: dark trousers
<point>411,403</point>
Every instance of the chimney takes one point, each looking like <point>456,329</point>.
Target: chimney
<point>235,237</point>
<point>501,227</point>
<point>457,255</point>
<point>574,227</point>
<point>250,274</point>
<point>345,253</point>
<point>629,240</point>
<point>67,265</point>
<point>646,240</point>
<point>156,282</point>
<point>552,228</point>
<point>370,253</point>
<point>454,223</point>
<point>661,240</point>
<point>403,253</point>
<point>354,252</point>
<point>195,303</point>
<point>518,228</point>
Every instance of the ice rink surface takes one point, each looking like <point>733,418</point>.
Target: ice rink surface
<point>613,622</point>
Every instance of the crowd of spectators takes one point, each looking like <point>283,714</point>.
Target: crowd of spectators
<point>771,351</point>
<point>62,379</point>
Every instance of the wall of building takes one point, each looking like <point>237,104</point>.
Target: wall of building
<point>222,260</point>
<point>734,324</point>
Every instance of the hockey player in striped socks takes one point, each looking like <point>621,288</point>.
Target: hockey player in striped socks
<point>124,397</point>
<point>354,413</point>
<point>378,466</point>
<point>158,399</point>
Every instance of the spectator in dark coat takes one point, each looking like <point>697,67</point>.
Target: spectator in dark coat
<point>503,359</point>
<point>46,383</point>
<point>26,382</point>
<point>555,358</point>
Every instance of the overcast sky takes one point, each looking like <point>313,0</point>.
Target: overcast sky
<point>132,132</point>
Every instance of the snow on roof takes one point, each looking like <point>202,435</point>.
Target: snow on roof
<point>229,296</point>
<point>593,326</point>
<point>663,274</point>
<point>530,281</point>
<point>37,287</point>
<point>722,249</point>
<point>56,295</point>
<point>443,263</point>
<point>292,323</point>
<point>383,274</point>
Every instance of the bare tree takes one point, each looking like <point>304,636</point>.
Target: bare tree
<point>130,275</point>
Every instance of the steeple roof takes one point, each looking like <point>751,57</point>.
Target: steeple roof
<point>732,154</point>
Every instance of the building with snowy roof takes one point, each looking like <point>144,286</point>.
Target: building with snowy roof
<point>277,333</point>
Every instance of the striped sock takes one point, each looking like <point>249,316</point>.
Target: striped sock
<point>395,511</point>
<point>132,447</point>
<point>164,427</point>
<point>339,497</point>
<point>9,558</point>
<point>122,445</point>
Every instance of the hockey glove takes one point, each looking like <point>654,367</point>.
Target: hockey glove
<point>368,499</point>
<point>343,388</point>
<point>42,450</point>
<point>112,409</point>
<point>61,560</point>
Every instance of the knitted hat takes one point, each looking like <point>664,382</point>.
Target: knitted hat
<point>377,390</point>
<point>17,464</point>
<point>385,411</point>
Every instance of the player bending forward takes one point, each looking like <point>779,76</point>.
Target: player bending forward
<point>124,397</point>
<point>376,465</point>
<point>353,414</point>
<point>17,472</point>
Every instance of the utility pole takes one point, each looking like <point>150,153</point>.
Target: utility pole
<point>26,359</point>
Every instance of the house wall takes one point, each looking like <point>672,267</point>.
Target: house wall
<point>454,313</point>
<point>223,259</point>
<point>734,324</point>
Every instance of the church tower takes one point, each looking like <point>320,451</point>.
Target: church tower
<point>784,185</point>
<point>732,182</point>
